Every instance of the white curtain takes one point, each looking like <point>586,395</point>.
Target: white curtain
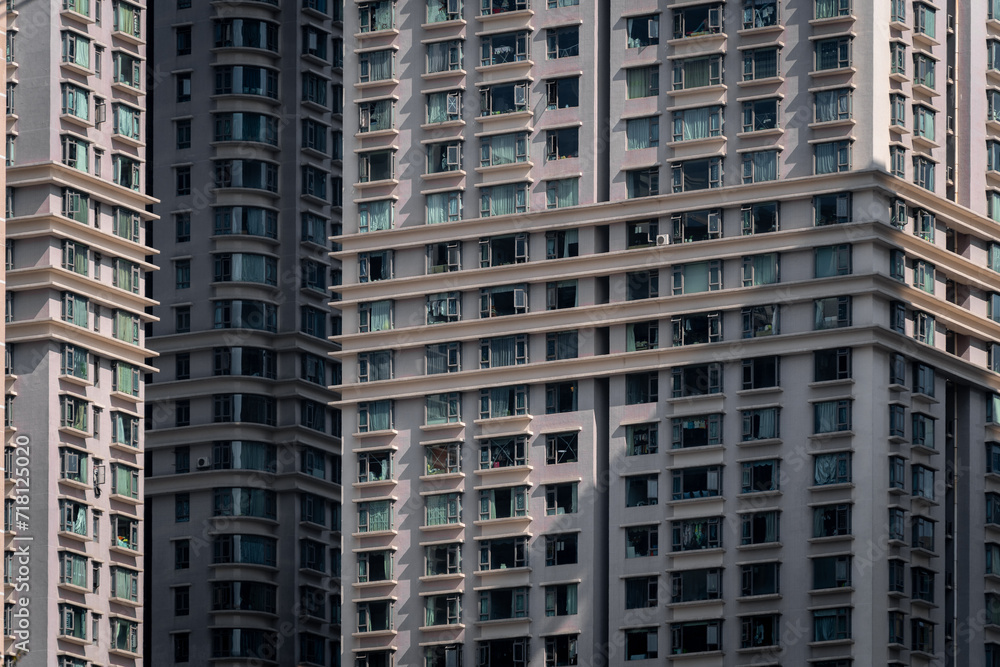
<point>379,215</point>
<point>437,57</point>
<point>826,9</point>
<point>502,199</point>
<point>826,158</point>
<point>696,123</point>
<point>637,133</point>
<point>566,192</point>
<point>381,316</point>
<point>697,73</point>
<point>503,351</point>
<point>503,149</point>
<point>380,65</point>
<point>768,423</point>
<point>639,81</point>
<point>500,402</point>
<point>765,166</point>
<point>765,269</point>
<point>379,416</point>
<point>437,108</point>
<point>826,416</point>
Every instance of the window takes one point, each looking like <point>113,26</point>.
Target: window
<point>562,93</point>
<point>372,316</point>
<point>441,307</point>
<point>923,431</point>
<point>444,408</point>
<point>923,172</point>
<point>832,624</point>
<point>897,524</point>
<point>697,123</point>
<point>443,459</point>
<point>562,42</point>
<point>503,452</point>
<point>923,327</point>
<point>375,416</point>
<point>561,498</point>
<point>832,209</point>
<point>923,70</point>
<point>641,439</point>
<point>832,468</point>
<point>696,329</point>
<point>760,372</point>
<point>829,365</point>
<point>897,105</point>
<point>561,448</point>
<point>695,73</point>
<point>445,56</point>
<point>641,541</point>
<point>759,115</point>
<point>503,503</point>
<point>503,401</point>
<point>897,161</point>
<point>501,149</point>
<point>760,527</point>
<point>374,166</point>
<point>642,133</point>
<point>561,345</point>
<point>443,358</point>
<point>696,380</point>
<point>503,300</point>
<point>643,31</point>
<point>760,63</point>
<point>761,630</point>
<point>373,266</point>
<point>695,534</point>
<point>697,277</point>
<point>833,157</point>
<point>74,153</point>
<point>832,312</point>
<point>561,193</point>
<point>642,82</point>
<point>832,520</point>
<point>562,143</point>
<point>503,199</point>
<point>697,21</point>
<point>642,182</point>
<point>641,388</point>
<point>439,11</point>
<point>832,416</point>
<point>561,600</point>
<point>561,549</point>
<point>642,593</point>
<point>183,34</point>
<point>642,336</point>
<point>760,218</point>
<point>760,476</point>
<point>376,216</point>
<point>443,509</point>
<point>833,261</point>
<point>689,175</point>
<point>923,224</point>
<point>760,13</point>
<point>75,49</point>
<point>503,48</point>
<point>923,122</point>
<point>641,490</point>
<point>923,534</point>
<point>696,431</point>
<point>897,316</point>
<point>688,483</point>
<point>503,98</point>
<point>760,270</point>
<point>376,66</point>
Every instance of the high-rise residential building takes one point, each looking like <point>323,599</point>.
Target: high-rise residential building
<point>803,467</point>
<point>76,311</point>
<point>243,465</point>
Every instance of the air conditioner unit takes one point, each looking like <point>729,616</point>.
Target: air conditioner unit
<point>662,239</point>
<point>204,462</point>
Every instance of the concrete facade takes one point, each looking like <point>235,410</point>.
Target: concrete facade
<point>76,313</point>
<point>244,454</point>
<point>765,327</point>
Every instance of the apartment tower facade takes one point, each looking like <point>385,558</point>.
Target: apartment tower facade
<point>243,474</point>
<point>76,312</point>
<point>670,333</point>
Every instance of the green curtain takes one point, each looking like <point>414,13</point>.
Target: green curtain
<point>122,584</point>
<point>124,379</point>
<point>78,573</point>
<point>123,482</point>
<point>82,51</point>
<point>125,15</point>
